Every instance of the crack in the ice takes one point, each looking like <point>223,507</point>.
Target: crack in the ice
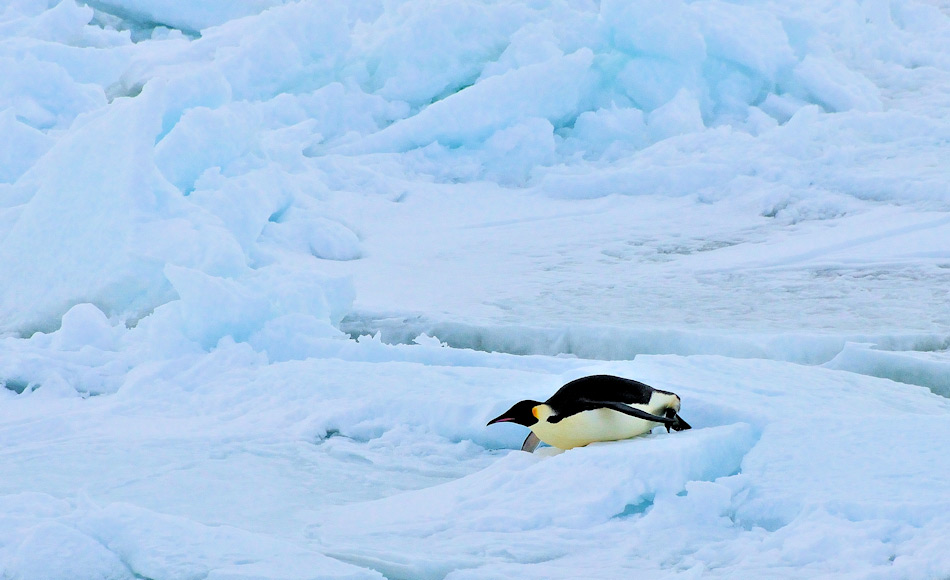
<point>636,509</point>
<point>606,343</point>
<point>18,386</point>
<point>122,559</point>
<point>336,433</point>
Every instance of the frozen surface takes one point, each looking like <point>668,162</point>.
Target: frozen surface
<point>269,267</point>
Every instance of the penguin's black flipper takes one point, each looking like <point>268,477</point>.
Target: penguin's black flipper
<point>633,412</point>
<point>531,443</point>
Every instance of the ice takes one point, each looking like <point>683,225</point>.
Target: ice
<point>210,308</point>
<point>269,267</point>
<point>475,113</point>
<point>679,116</point>
<point>764,49</point>
<point>287,49</point>
<point>654,28</point>
<point>23,146</point>
<point>608,132</point>
<point>927,369</point>
<point>88,219</point>
<point>835,87</point>
<point>191,18</point>
<point>84,325</point>
<point>72,554</point>
<point>419,56</point>
<point>43,95</point>
<point>160,546</point>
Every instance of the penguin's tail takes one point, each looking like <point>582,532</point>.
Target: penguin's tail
<point>678,423</point>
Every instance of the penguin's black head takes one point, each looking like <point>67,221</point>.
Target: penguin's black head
<point>521,413</point>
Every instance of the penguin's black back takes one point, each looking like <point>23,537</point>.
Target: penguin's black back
<point>602,388</point>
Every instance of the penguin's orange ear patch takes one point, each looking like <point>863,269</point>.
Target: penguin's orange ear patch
<point>534,411</point>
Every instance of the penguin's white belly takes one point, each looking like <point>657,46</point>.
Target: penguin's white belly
<point>590,426</point>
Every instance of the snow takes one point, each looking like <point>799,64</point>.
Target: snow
<point>269,267</point>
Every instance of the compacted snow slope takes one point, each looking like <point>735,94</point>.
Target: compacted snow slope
<point>269,267</point>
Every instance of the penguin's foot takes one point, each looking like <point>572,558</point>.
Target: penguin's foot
<point>531,443</point>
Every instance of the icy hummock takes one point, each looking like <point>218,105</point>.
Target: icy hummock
<point>269,267</point>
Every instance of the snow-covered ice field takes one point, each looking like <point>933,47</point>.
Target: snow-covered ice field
<point>268,267</point>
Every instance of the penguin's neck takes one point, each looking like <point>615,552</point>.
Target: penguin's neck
<point>542,412</point>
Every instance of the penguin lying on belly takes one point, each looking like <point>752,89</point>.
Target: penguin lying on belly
<point>595,408</point>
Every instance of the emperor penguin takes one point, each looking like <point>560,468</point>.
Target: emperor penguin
<point>595,408</point>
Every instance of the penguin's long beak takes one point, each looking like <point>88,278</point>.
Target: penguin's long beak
<point>501,419</point>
